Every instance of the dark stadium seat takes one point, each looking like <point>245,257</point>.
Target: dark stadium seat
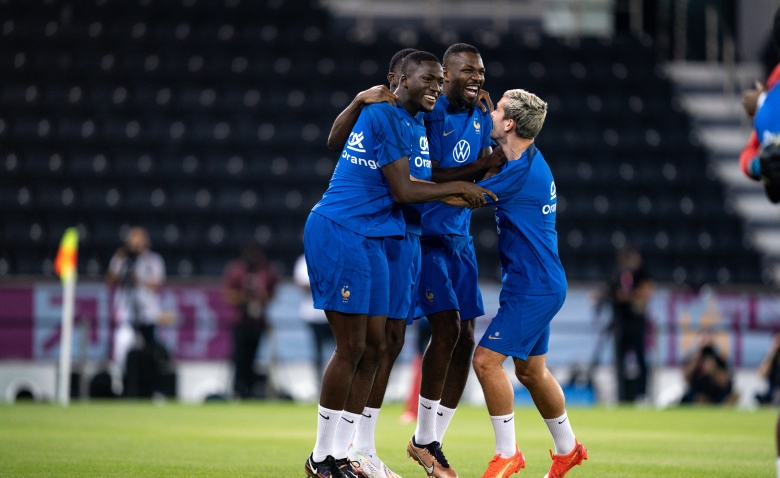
<point>208,122</point>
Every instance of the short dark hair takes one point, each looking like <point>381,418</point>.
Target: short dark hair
<point>460,48</point>
<point>399,57</point>
<point>415,59</point>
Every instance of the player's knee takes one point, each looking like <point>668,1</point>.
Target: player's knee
<point>375,348</point>
<point>395,342</point>
<point>530,376</point>
<point>352,350</point>
<point>466,341</point>
<point>481,364</point>
<point>446,334</point>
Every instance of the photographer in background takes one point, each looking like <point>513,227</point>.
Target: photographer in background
<point>137,273</point>
<point>708,375</point>
<point>249,285</point>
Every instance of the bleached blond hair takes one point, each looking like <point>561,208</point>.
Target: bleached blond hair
<point>527,110</point>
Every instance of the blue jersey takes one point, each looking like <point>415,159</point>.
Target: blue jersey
<point>767,122</point>
<point>358,197</point>
<point>525,215</point>
<point>456,136</point>
<point>420,168</point>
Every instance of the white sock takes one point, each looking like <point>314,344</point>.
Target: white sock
<point>344,433</point>
<point>778,468</point>
<point>443,419</point>
<point>364,437</point>
<point>426,421</point>
<point>560,429</point>
<point>327,422</point>
<point>504,428</point>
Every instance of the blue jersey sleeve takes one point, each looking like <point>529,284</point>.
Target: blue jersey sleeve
<point>434,129</point>
<point>508,182</point>
<point>392,136</point>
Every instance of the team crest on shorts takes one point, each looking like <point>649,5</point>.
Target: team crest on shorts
<point>429,296</point>
<point>345,294</point>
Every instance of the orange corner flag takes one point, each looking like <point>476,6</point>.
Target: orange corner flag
<point>66,262</point>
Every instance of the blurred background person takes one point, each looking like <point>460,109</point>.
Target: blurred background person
<point>315,319</point>
<point>708,375</point>
<point>137,273</point>
<point>249,285</point>
<point>630,292</point>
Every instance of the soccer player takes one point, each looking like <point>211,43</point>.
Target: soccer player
<point>345,251</point>
<point>532,291</point>
<point>460,146</point>
<point>403,256</point>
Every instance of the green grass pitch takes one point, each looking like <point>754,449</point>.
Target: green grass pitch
<point>110,439</point>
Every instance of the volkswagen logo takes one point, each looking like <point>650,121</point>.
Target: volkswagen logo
<point>461,151</point>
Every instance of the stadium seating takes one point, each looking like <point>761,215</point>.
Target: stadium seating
<point>206,121</point>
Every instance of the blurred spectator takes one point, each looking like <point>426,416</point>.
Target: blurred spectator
<point>708,376</point>
<point>630,292</point>
<point>770,370</point>
<point>138,273</point>
<point>315,318</point>
<point>250,283</point>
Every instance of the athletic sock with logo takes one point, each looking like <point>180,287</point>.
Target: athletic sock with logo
<point>344,433</point>
<point>560,429</point>
<point>504,428</point>
<point>364,437</point>
<point>426,421</point>
<point>327,421</point>
<point>443,419</point>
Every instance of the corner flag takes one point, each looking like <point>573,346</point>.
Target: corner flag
<point>66,266</point>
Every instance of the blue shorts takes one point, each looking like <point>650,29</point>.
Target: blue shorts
<point>449,277</point>
<point>347,271</point>
<point>522,326</point>
<point>403,262</point>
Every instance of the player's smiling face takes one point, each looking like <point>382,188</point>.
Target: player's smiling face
<point>424,85</point>
<point>464,76</point>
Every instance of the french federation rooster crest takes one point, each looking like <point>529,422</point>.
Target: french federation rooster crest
<point>429,295</point>
<point>345,293</point>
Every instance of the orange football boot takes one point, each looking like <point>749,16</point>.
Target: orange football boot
<point>563,463</point>
<point>503,467</point>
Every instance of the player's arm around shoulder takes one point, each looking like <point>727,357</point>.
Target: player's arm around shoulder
<point>346,120</point>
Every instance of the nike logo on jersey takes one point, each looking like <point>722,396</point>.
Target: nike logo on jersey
<point>560,422</point>
<point>508,420</point>
<point>347,420</point>
<point>428,408</point>
<point>447,134</point>
<point>323,416</point>
<point>495,338</point>
<point>367,416</point>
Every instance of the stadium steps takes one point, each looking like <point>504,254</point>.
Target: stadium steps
<point>709,93</point>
